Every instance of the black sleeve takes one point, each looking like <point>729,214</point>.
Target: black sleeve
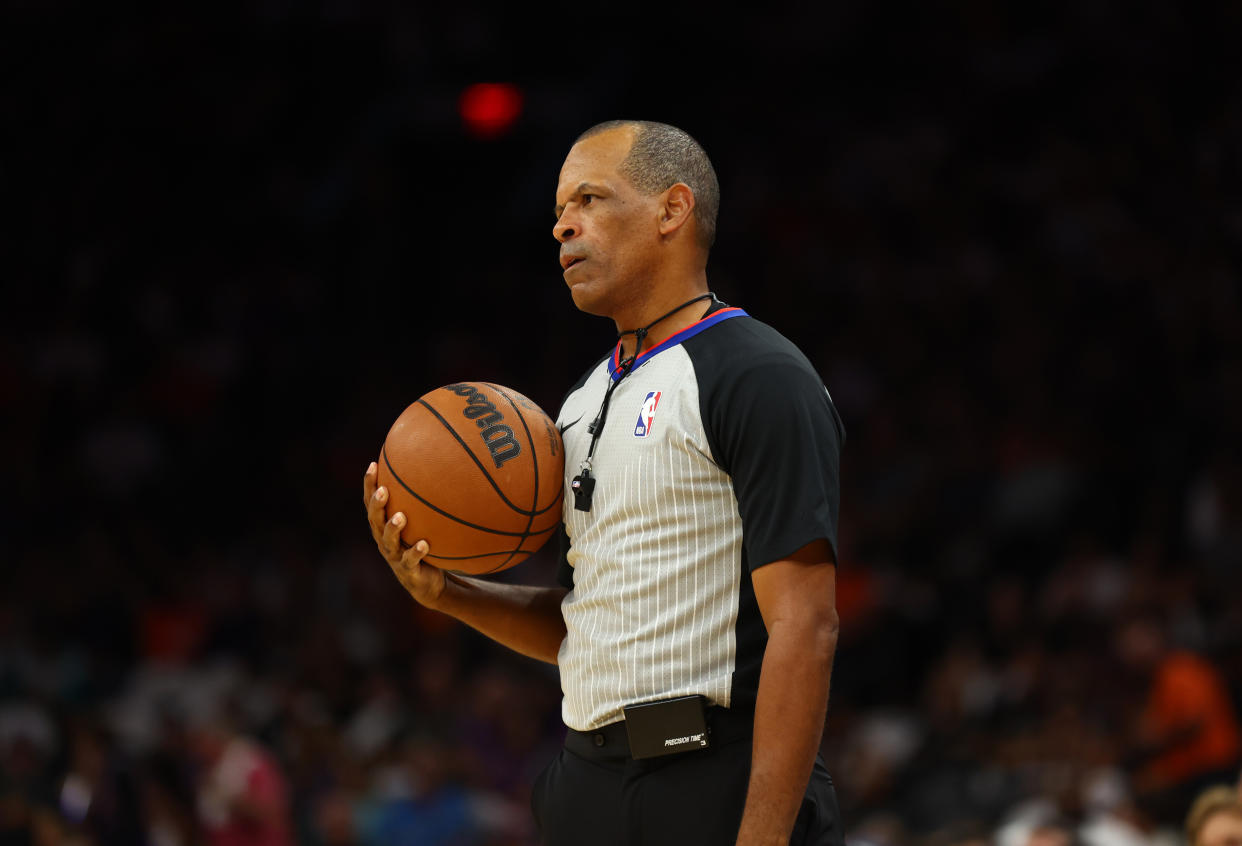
<point>564,570</point>
<point>773,428</point>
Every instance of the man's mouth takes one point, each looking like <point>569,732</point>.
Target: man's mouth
<point>569,261</point>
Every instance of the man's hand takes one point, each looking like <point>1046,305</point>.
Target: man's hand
<point>424,582</point>
<point>525,618</point>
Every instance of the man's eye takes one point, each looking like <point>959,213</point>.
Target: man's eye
<point>586,199</point>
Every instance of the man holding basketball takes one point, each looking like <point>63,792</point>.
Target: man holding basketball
<point>695,622</point>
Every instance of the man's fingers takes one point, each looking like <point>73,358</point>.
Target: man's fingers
<point>375,511</point>
<point>413,556</point>
<point>369,483</point>
<point>386,531</point>
<point>374,497</point>
<point>390,538</point>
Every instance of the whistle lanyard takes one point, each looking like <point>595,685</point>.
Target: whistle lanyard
<point>583,484</point>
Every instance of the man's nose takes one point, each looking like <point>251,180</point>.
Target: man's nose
<point>564,229</point>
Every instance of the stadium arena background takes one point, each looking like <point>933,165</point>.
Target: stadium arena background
<point>240,242</point>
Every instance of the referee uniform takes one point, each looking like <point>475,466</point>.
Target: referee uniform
<point>719,454</point>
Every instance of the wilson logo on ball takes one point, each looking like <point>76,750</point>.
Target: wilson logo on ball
<point>497,437</point>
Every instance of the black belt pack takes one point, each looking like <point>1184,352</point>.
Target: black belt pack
<point>666,727</point>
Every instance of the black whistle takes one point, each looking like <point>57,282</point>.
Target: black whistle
<point>583,486</point>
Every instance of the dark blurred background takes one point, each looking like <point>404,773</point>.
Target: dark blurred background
<point>242,240</point>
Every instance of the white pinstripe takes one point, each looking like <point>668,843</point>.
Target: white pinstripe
<point>656,560</point>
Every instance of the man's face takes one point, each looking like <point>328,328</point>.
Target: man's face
<point>609,232</point>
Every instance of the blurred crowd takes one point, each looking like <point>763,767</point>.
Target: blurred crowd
<point>1009,241</point>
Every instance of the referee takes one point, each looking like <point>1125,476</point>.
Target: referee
<point>695,622</point>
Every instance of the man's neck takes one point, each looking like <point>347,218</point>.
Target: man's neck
<point>661,318</point>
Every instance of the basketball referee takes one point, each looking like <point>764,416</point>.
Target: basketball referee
<point>695,622</point>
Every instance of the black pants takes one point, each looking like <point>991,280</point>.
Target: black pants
<point>594,794</point>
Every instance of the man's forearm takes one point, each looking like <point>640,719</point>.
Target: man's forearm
<point>789,723</point>
<point>525,618</point>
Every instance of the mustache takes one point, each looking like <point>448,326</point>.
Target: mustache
<point>568,256</point>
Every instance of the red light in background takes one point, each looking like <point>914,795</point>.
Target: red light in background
<point>489,109</point>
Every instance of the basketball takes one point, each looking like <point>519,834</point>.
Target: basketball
<point>478,471</point>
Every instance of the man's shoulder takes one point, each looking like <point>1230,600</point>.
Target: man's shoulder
<point>585,377</point>
<point>745,362</point>
<point>586,374</point>
<point>742,345</point>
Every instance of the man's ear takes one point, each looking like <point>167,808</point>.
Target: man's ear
<point>677,208</point>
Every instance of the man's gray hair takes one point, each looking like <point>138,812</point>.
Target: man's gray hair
<point>664,155</point>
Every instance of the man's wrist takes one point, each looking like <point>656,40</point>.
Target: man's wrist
<point>762,823</point>
<point>761,838</point>
<point>443,597</point>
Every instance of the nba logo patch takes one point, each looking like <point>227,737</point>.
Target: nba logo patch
<point>646,415</point>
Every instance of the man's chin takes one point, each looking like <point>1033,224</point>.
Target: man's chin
<point>588,297</point>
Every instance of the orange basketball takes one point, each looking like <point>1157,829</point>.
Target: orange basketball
<point>478,470</point>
